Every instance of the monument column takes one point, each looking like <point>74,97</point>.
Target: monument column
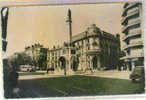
<point>69,21</point>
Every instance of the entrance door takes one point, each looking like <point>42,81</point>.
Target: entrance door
<point>63,64</point>
<point>130,66</point>
<point>94,61</point>
<point>75,64</point>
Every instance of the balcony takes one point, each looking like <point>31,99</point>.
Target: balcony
<point>131,5</point>
<point>128,6</point>
<point>93,51</point>
<point>132,34</point>
<point>137,21</point>
<point>134,44</point>
<point>136,56</point>
<point>131,13</point>
<point>133,56</point>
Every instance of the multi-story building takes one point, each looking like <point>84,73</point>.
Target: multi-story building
<point>95,48</point>
<point>58,58</point>
<point>42,58</point>
<point>92,49</point>
<point>34,52</point>
<point>133,34</point>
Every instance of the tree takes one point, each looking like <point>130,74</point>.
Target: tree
<point>22,59</point>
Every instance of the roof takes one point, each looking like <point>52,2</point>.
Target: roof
<point>92,31</point>
<point>78,36</point>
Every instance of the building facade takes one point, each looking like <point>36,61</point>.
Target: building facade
<point>92,49</point>
<point>36,52</point>
<point>133,35</point>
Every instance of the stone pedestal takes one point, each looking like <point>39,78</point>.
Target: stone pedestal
<point>98,62</point>
<point>133,65</point>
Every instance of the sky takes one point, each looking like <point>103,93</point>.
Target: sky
<point>47,24</point>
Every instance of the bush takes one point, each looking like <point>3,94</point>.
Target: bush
<point>10,78</point>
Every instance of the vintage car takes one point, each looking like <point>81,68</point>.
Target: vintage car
<point>137,74</point>
<point>27,68</point>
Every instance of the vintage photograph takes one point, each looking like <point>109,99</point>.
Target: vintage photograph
<point>73,50</point>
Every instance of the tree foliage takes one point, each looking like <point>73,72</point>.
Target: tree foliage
<point>23,59</point>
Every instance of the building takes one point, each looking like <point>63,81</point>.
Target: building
<point>95,48</point>
<point>92,49</point>
<point>42,58</point>
<point>34,52</point>
<point>58,58</point>
<point>133,34</point>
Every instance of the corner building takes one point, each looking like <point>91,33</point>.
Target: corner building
<point>133,35</point>
<point>92,49</point>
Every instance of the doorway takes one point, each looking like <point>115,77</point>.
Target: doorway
<point>63,64</point>
<point>94,62</point>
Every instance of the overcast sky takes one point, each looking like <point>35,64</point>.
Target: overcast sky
<point>47,24</point>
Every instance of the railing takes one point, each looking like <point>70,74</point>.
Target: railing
<point>137,32</point>
<point>131,4</point>
<point>93,51</point>
<point>131,23</point>
<point>138,20</point>
<point>133,44</point>
<point>135,11</point>
<point>137,42</point>
<point>138,55</point>
<point>133,56</point>
<point>132,12</point>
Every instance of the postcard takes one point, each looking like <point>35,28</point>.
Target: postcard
<point>73,50</point>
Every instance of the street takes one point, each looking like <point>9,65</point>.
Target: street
<point>108,74</point>
<point>76,85</point>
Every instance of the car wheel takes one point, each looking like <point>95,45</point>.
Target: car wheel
<point>133,80</point>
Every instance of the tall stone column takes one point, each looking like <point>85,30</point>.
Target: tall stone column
<point>69,21</point>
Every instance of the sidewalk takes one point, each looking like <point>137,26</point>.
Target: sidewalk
<point>111,74</point>
<point>107,74</point>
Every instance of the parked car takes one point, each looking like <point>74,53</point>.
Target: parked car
<point>137,74</point>
<point>107,68</point>
<point>27,68</point>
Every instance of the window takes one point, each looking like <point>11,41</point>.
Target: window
<point>64,51</point>
<point>73,51</point>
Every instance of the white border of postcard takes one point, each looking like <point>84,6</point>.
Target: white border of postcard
<point>66,2</point>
